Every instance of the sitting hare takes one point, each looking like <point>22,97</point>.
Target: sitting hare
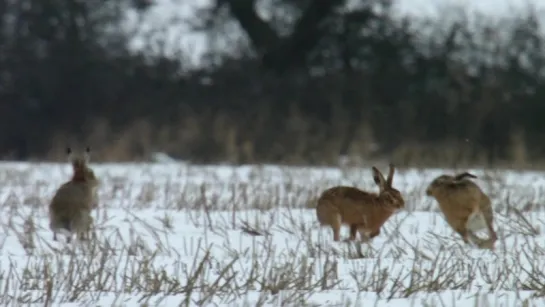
<point>71,206</point>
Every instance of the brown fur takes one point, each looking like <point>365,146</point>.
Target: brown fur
<point>364,212</point>
<point>70,208</point>
<point>93,181</point>
<point>458,198</point>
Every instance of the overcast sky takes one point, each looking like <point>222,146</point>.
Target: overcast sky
<point>165,13</point>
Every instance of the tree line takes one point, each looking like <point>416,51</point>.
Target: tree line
<point>304,87</point>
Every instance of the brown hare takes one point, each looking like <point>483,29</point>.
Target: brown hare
<point>364,212</point>
<point>71,206</point>
<point>467,209</point>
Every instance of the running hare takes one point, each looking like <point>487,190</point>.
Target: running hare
<point>71,206</point>
<point>466,207</point>
<point>364,212</point>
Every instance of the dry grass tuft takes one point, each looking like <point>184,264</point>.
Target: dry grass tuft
<point>200,235</point>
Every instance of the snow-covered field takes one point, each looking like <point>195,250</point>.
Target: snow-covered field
<point>187,235</point>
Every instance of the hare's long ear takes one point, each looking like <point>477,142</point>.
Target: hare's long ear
<point>379,178</point>
<point>390,175</point>
<point>87,154</point>
<point>463,176</point>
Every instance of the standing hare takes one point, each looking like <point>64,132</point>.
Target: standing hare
<point>364,212</point>
<point>71,206</point>
<point>467,209</point>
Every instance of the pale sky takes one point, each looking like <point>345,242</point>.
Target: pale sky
<point>166,12</point>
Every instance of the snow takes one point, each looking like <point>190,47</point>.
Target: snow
<point>179,234</point>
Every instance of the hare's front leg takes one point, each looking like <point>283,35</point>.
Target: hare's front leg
<point>83,236</point>
<point>353,232</point>
<point>336,228</point>
<point>55,236</point>
<point>464,234</point>
<point>366,235</point>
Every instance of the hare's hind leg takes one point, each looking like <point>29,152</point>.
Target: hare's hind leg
<point>493,236</point>
<point>476,221</point>
<point>474,238</point>
<point>482,243</point>
<point>336,223</point>
<point>60,226</point>
<point>63,232</point>
<point>479,242</point>
<point>479,221</point>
